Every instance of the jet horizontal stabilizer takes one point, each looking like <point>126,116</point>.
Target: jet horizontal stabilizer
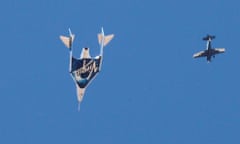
<point>209,37</point>
<point>68,40</point>
<point>107,38</point>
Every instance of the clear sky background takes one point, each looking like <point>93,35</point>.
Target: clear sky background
<point>150,89</point>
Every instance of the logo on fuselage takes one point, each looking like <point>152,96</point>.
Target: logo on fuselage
<point>86,71</point>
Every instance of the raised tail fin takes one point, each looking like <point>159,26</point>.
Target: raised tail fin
<point>68,40</point>
<point>104,40</point>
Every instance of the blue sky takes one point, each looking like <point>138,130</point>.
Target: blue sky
<point>150,89</point>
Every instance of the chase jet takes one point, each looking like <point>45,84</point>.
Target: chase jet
<point>209,52</point>
<point>84,69</point>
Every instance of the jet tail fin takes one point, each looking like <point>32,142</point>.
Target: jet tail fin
<point>104,40</point>
<point>68,40</point>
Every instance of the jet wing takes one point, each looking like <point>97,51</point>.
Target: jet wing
<point>219,50</point>
<point>200,54</point>
<point>83,71</point>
